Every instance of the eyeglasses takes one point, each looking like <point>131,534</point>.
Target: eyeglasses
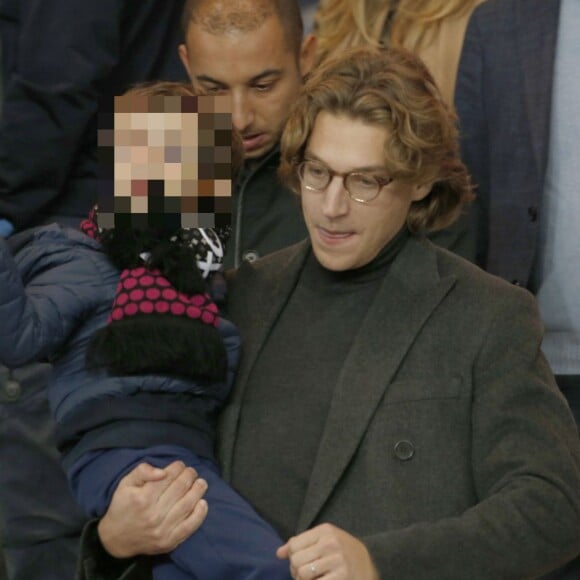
<point>361,187</point>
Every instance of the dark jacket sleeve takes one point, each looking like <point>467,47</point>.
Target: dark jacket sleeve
<point>39,315</point>
<point>95,563</point>
<point>61,51</point>
<point>526,469</point>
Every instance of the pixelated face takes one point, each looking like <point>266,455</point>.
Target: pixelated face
<point>258,69</point>
<point>166,163</point>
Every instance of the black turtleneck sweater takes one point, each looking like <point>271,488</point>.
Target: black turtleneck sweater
<point>290,389</point>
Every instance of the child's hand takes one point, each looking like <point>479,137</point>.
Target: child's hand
<point>153,510</point>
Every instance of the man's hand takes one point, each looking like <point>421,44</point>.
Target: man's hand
<point>328,552</point>
<point>153,510</point>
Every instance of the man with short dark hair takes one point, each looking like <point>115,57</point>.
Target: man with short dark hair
<point>253,51</point>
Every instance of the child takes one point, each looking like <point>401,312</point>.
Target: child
<point>143,380</point>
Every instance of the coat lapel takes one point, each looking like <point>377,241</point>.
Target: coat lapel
<point>274,292</point>
<point>407,297</point>
<point>536,36</point>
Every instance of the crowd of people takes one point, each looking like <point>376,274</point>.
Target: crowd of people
<point>288,301</point>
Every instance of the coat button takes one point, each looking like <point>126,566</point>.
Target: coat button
<point>250,256</point>
<point>404,450</point>
<point>533,213</point>
<point>12,390</point>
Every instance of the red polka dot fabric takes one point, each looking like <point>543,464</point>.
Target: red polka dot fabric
<point>143,291</point>
<point>89,225</point>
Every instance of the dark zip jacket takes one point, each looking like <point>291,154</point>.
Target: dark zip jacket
<point>266,215</point>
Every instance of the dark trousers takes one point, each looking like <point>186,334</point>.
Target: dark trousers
<point>41,523</point>
<point>233,543</point>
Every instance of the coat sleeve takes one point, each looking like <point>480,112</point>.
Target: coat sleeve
<point>60,56</point>
<point>39,314</point>
<point>525,458</point>
<point>470,106</point>
<point>95,563</point>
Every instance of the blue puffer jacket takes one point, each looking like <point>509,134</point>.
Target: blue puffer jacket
<point>56,290</point>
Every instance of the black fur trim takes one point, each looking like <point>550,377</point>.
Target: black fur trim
<point>174,259</point>
<point>160,344</point>
<point>178,264</point>
<point>125,246</point>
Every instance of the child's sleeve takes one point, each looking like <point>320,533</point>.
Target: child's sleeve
<point>39,314</point>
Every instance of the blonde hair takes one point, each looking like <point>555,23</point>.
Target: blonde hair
<point>389,88</point>
<point>415,23</point>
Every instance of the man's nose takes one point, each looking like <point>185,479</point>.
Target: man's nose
<point>335,201</point>
<point>242,113</point>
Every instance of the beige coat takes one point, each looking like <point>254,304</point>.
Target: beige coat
<point>442,55</point>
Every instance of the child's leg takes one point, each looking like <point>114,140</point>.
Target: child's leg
<point>165,569</point>
<point>233,543</point>
<point>94,477</point>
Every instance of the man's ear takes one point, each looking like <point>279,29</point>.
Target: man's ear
<point>308,54</point>
<point>422,191</point>
<point>182,51</point>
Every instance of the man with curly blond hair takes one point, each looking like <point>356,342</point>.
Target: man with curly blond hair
<point>393,415</point>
